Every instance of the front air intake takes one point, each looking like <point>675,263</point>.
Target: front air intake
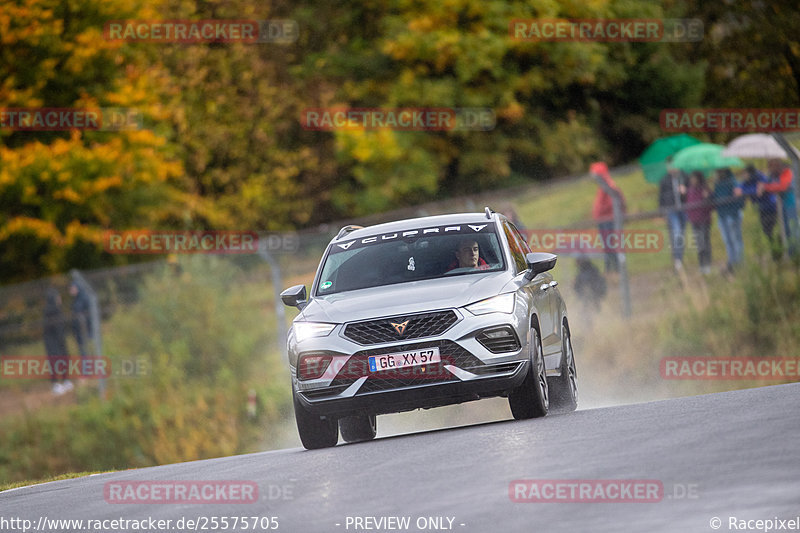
<point>499,339</point>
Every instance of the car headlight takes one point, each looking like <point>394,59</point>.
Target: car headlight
<point>503,303</point>
<point>307,330</point>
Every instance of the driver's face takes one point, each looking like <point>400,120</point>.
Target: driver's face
<point>468,254</point>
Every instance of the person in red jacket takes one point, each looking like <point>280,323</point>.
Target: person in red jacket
<point>603,210</point>
<point>781,182</point>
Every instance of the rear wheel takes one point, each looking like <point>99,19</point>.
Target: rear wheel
<point>315,432</point>
<point>531,398</point>
<point>358,428</point>
<point>565,386</point>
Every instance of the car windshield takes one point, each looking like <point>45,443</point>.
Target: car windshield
<point>412,255</point>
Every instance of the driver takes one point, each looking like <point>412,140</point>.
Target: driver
<point>468,255</point>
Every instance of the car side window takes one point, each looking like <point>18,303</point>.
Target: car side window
<point>517,252</point>
<point>523,242</point>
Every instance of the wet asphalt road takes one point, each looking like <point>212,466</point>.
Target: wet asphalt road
<point>733,454</point>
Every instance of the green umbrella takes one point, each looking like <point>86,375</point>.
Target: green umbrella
<point>654,158</point>
<point>705,157</point>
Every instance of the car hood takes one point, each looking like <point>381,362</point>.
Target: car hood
<point>404,298</point>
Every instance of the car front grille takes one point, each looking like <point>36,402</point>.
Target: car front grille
<point>358,366</point>
<point>400,328</point>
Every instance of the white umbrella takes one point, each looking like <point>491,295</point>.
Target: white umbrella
<point>756,145</point>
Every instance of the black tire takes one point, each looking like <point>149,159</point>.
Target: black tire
<point>531,398</point>
<point>564,395</point>
<point>358,428</point>
<point>315,432</point>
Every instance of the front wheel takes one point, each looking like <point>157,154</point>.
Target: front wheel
<point>531,398</point>
<point>358,428</point>
<point>565,386</point>
<point>315,432</point>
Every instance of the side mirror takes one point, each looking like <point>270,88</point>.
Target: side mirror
<point>295,296</point>
<point>539,262</point>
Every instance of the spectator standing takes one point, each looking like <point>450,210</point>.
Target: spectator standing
<point>671,196</point>
<point>729,202</point>
<point>603,211</point>
<point>55,343</point>
<point>781,178</point>
<point>698,211</point>
<point>766,203</point>
<point>80,316</point>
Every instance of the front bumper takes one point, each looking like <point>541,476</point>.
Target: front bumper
<point>468,371</point>
<point>491,381</point>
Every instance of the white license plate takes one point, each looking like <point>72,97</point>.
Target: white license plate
<point>391,361</point>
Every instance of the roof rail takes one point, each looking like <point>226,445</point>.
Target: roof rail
<point>488,211</point>
<point>347,229</point>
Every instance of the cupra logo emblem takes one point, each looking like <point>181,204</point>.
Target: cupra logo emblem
<point>399,328</point>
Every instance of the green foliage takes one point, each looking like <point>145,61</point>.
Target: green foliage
<point>224,147</point>
<point>755,315</point>
<point>387,167</point>
<point>60,190</point>
<point>187,316</point>
<point>753,52</point>
<point>201,333</point>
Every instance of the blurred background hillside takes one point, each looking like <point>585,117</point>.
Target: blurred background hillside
<point>222,146</point>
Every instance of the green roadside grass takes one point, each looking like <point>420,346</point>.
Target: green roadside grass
<point>71,475</point>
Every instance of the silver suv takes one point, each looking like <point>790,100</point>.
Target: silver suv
<point>422,313</point>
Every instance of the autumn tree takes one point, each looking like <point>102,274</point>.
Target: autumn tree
<point>60,190</point>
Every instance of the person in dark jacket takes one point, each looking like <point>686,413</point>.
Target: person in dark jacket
<point>729,202</point>
<point>590,284</point>
<point>55,342</point>
<point>671,197</point>
<point>767,203</point>
<point>80,316</point>
<point>698,211</point>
